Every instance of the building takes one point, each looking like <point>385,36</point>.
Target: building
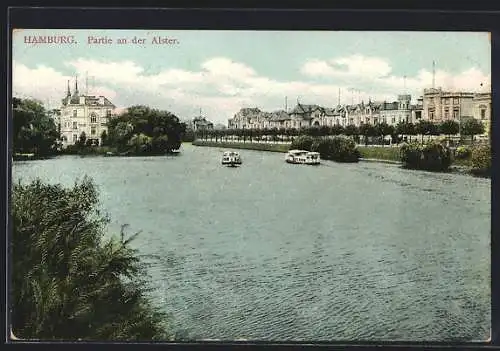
<point>84,114</point>
<point>201,123</point>
<point>435,105</point>
<point>439,105</point>
<point>481,109</point>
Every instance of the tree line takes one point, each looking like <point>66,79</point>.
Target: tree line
<point>423,128</point>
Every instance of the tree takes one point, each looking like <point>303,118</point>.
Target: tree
<point>337,129</point>
<point>383,129</point>
<point>104,138</point>
<point>472,127</point>
<point>449,128</point>
<point>69,281</point>
<point>34,131</point>
<point>165,129</point>
<point>367,130</point>
<point>82,140</point>
<point>424,128</point>
<point>351,130</point>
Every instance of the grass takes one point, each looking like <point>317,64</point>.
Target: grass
<point>248,146</point>
<point>380,153</point>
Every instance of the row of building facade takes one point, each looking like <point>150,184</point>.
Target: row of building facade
<point>90,114</point>
<point>435,105</point>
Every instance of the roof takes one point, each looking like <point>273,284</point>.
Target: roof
<point>279,116</point>
<point>302,109</point>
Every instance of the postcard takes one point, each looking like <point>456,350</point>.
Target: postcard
<point>277,186</point>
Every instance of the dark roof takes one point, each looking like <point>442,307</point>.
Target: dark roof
<point>279,116</point>
<point>302,109</point>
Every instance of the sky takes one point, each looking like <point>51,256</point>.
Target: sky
<point>219,72</point>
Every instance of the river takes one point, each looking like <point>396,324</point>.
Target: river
<point>273,251</point>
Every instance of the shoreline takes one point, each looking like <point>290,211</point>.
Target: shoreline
<point>283,148</point>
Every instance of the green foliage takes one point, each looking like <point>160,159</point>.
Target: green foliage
<point>162,127</point>
<point>449,127</point>
<point>140,143</point>
<point>380,153</point>
<point>367,130</point>
<point>340,149</point>
<point>472,127</point>
<point>351,130</point>
<point>426,128</point>
<point>104,138</point>
<point>303,142</point>
<point>248,146</point>
<point>82,140</point>
<point>463,152</point>
<point>188,136</point>
<point>68,281</point>
<point>34,131</point>
<point>481,160</point>
<point>431,156</point>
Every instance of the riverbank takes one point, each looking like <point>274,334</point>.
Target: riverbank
<point>367,153</point>
<point>387,155</point>
<point>248,146</point>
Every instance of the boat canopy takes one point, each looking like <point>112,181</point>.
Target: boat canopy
<point>297,152</point>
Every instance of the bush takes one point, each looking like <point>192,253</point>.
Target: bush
<point>303,142</point>
<point>463,152</point>
<point>481,160</point>
<point>340,149</point>
<point>68,282</point>
<point>431,156</point>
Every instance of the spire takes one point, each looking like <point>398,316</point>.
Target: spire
<point>68,93</point>
<point>76,85</point>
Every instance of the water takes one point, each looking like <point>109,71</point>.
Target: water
<point>273,251</point>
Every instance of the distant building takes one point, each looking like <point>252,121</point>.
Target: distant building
<point>83,113</point>
<point>481,109</point>
<point>439,105</point>
<point>201,123</point>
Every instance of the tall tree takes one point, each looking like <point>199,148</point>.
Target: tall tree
<point>34,131</point>
<point>472,127</point>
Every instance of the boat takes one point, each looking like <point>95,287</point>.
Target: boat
<point>231,158</point>
<point>303,157</point>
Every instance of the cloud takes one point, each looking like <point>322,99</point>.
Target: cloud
<point>373,73</point>
<point>221,86</point>
<point>345,67</point>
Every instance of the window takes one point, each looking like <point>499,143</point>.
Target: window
<point>431,115</point>
<point>455,114</point>
<point>446,113</point>
<point>93,118</point>
<point>447,101</point>
<point>483,113</point>
<point>75,138</point>
<point>455,101</point>
<point>92,131</point>
<point>393,119</point>
<point>75,125</point>
<point>74,113</point>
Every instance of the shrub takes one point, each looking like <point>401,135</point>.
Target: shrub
<point>340,149</point>
<point>431,156</point>
<point>463,152</point>
<point>68,282</point>
<point>303,142</point>
<point>481,160</point>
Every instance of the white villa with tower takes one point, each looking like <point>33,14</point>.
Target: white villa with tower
<point>84,113</point>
